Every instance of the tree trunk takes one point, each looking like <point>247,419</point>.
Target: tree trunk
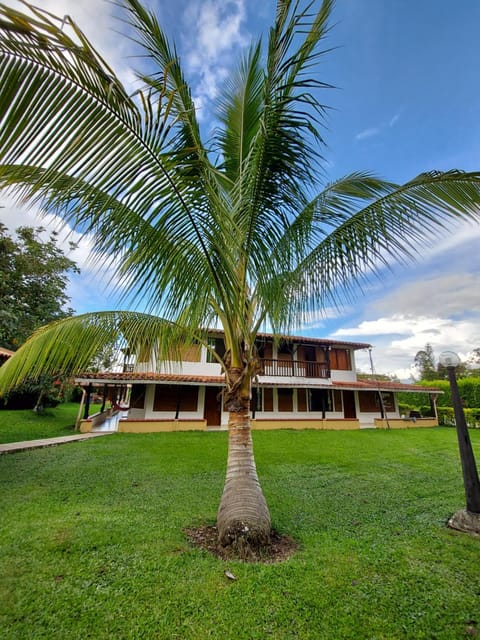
<point>243,518</point>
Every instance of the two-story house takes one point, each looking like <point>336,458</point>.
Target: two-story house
<point>302,383</point>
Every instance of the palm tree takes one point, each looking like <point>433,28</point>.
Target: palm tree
<point>234,232</point>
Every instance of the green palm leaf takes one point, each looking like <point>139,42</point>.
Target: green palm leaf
<point>68,346</point>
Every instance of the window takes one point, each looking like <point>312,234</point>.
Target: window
<point>321,400</point>
<point>285,364</point>
<point>256,401</point>
<point>285,348</point>
<point>218,345</point>
<point>285,399</point>
<point>137,397</point>
<point>191,353</point>
<point>369,401</point>
<point>340,359</point>
<point>264,349</point>
<point>171,397</point>
<point>337,401</point>
<point>267,399</point>
<point>301,399</point>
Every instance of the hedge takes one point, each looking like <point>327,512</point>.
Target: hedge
<point>469,389</point>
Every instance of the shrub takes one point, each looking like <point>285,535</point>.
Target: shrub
<point>446,417</point>
<point>26,395</point>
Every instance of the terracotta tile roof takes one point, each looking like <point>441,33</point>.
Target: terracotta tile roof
<point>385,385</point>
<point>165,378</point>
<point>6,352</point>
<point>148,377</point>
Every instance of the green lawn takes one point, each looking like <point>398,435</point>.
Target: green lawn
<point>16,426</point>
<point>92,542</point>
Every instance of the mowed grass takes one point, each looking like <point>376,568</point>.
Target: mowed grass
<point>16,426</point>
<point>92,543</point>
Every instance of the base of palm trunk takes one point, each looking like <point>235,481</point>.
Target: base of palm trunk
<point>280,548</point>
<point>464,520</point>
<point>241,535</point>
<point>243,519</point>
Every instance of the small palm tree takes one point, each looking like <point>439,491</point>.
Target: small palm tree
<point>233,232</point>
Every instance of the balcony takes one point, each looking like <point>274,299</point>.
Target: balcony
<point>293,368</point>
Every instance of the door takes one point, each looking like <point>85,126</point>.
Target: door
<point>311,366</point>
<point>349,410</point>
<point>213,406</point>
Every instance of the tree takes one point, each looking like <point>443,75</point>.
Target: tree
<point>472,368</point>
<point>425,363</point>
<point>33,280</point>
<point>235,230</point>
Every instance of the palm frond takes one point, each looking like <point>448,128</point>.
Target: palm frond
<point>394,227</point>
<point>68,346</point>
<point>63,110</point>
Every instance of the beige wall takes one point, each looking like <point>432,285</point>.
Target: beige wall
<point>151,426</point>
<point>157,426</point>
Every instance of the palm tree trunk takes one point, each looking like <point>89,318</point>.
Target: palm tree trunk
<point>243,516</point>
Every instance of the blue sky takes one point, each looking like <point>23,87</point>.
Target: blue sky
<point>406,101</point>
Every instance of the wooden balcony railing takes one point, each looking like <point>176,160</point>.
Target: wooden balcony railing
<point>295,368</point>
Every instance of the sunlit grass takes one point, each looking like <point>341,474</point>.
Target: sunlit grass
<point>93,547</point>
<point>16,426</point>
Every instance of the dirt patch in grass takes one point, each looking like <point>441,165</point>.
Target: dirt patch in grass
<point>205,537</point>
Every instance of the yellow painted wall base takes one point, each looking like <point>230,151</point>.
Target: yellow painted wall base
<point>85,426</point>
<point>158,426</point>
<point>402,423</point>
<point>150,426</point>
<point>330,425</point>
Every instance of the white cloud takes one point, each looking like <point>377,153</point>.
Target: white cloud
<point>397,338</point>
<point>218,26</point>
<point>438,304</point>
<point>368,133</point>
<point>214,31</point>
<point>456,244</point>
<point>394,120</point>
<point>317,319</point>
<point>452,294</point>
<point>377,130</point>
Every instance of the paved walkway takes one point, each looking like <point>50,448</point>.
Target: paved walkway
<point>12,447</point>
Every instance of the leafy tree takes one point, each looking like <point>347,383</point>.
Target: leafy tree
<point>237,229</point>
<point>44,391</point>
<point>33,279</point>
<point>105,359</point>
<point>388,377</point>
<point>473,364</point>
<point>425,363</point>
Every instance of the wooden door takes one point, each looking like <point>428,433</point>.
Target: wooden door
<point>213,406</point>
<point>349,410</point>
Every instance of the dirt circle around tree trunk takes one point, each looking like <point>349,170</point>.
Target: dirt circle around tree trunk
<point>280,548</point>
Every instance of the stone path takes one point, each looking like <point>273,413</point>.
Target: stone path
<point>12,447</point>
